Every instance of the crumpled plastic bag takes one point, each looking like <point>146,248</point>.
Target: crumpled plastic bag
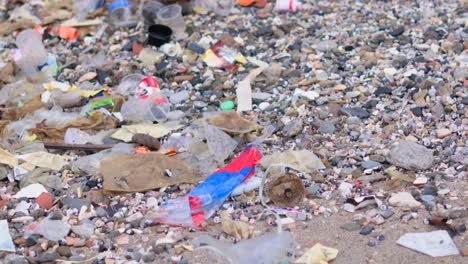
<point>318,254</point>
<point>143,172</point>
<point>96,122</point>
<point>238,229</point>
<point>232,123</point>
<point>302,160</point>
<point>17,112</point>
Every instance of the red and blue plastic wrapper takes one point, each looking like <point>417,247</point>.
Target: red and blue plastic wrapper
<point>202,202</point>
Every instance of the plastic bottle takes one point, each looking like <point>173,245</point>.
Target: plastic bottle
<point>171,16</point>
<point>33,53</point>
<point>272,248</point>
<point>288,5</point>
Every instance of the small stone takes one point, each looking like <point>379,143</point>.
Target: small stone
<point>326,127</point>
<point>443,192</point>
<point>367,230</point>
<point>48,257</point>
<point>45,200</point>
<point>443,132</point>
<point>349,207</point>
<point>314,189</point>
<point>378,220</point>
<point>64,251</point>
<point>420,180</point>
<point>397,31</point>
<point>410,156</point>
<point>150,257</point>
<point>293,128</point>
<point>404,199</point>
<point>370,164</point>
<point>429,190</point>
<point>351,226</point>
<point>355,111</point>
<point>417,111</point>
<point>386,213</point>
<point>263,106</point>
<point>372,242</point>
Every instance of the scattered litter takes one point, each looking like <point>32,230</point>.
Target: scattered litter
<point>318,254</point>
<point>435,243</point>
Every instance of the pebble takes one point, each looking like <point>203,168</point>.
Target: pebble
<point>64,251</point>
<point>351,226</point>
<point>386,213</point>
<point>293,128</point>
<point>370,164</point>
<point>403,199</point>
<point>410,156</point>
<point>326,127</point>
<point>366,230</point>
<point>355,111</point>
<point>443,133</point>
<point>264,106</point>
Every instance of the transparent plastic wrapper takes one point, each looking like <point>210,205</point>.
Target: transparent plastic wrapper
<point>33,53</point>
<point>272,248</point>
<point>221,7</point>
<point>55,117</point>
<point>203,201</point>
<point>83,7</point>
<point>76,136</point>
<point>171,16</point>
<point>201,6</point>
<point>90,164</point>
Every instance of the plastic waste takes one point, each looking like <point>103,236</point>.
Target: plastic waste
<point>150,11</point>
<point>155,108</point>
<point>203,201</point>
<point>247,186</point>
<point>120,14</point>
<point>84,7</point>
<point>435,244</point>
<point>159,35</point>
<point>288,5</point>
<point>171,16</point>
<point>272,248</point>
<point>6,242</point>
<point>76,136</point>
<point>54,230</point>
<point>91,163</point>
<point>32,51</point>
<point>222,7</point>
<point>129,83</point>
<point>219,143</point>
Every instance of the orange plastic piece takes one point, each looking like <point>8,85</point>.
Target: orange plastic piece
<point>168,152</point>
<point>67,33</point>
<point>141,150</point>
<point>256,3</point>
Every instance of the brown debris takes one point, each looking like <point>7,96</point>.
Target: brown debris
<point>143,172</point>
<point>286,190</point>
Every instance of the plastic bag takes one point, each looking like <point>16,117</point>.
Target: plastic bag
<point>203,201</point>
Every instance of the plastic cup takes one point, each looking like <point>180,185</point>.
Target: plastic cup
<point>117,4</point>
<point>150,11</point>
<point>159,35</point>
<point>129,83</point>
<point>122,17</point>
<point>33,53</point>
<point>171,16</point>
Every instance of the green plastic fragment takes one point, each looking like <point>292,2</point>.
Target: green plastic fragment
<point>227,105</point>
